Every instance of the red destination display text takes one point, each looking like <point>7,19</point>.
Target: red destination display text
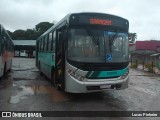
<point>100,21</point>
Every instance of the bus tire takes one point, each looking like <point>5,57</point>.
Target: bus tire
<point>61,86</point>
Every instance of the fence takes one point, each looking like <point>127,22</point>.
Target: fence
<point>151,66</point>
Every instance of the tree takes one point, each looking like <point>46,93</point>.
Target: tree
<point>132,37</point>
<point>18,35</point>
<point>9,32</point>
<point>30,34</point>
<point>43,26</point>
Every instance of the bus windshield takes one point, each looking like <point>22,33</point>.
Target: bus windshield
<point>98,46</point>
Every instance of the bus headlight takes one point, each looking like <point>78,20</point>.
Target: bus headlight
<point>75,75</point>
<point>125,75</point>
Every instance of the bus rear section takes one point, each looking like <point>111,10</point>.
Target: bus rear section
<point>86,52</point>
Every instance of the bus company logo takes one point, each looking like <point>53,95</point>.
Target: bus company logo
<point>6,114</point>
<point>100,21</point>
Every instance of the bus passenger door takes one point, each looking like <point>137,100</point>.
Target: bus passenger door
<point>60,60</point>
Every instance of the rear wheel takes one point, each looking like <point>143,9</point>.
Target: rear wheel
<point>60,77</point>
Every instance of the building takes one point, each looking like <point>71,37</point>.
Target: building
<point>132,47</point>
<point>148,45</point>
<point>24,48</point>
<point>146,51</point>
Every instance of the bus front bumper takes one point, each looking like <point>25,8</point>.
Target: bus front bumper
<point>94,85</point>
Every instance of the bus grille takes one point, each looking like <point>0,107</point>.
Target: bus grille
<point>99,66</point>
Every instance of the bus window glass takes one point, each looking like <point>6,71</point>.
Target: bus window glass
<point>42,44</point>
<point>54,41</point>
<point>46,43</point>
<point>39,45</point>
<point>96,45</point>
<point>49,41</point>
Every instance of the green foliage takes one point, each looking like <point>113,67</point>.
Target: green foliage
<point>30,34</point>
<point>19,34</point>
<point>43,26</point>
<point>134,65</point>
<point>132,37</point>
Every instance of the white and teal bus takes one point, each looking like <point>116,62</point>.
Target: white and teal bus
<point>6,51</point>
<point>85,52</point>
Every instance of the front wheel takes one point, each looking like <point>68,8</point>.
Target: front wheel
<point>53,80</point>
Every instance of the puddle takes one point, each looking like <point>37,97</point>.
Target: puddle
<point>21,95</point>
<point>28,91</point>
<point>56,96</point>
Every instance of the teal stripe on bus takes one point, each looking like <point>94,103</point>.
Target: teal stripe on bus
<point>106,74</point>
<point>47,58</point>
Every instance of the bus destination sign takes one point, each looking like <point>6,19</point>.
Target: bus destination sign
<point>100,21</point>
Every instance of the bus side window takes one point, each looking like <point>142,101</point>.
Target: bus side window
<point>54,41</point>
<point>45,43</point>
<point>49,41</point>
<point>42,44</point>
<point>39,45</point>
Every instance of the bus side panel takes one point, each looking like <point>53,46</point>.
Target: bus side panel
<point>46,62</point>
<point>9,60</point>
<point>1,67</point>
<point>72,85</point>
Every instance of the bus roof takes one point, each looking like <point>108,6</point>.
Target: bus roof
<point>2,29</point>
<point>67,17</point>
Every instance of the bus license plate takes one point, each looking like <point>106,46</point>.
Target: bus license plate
<point>105,86</point>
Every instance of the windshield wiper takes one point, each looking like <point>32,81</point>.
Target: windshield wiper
<point>93,36</point>
<point>112,38</point>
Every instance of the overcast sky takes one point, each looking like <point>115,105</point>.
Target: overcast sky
<point>143,15</point>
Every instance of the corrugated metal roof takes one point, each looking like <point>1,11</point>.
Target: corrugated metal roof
<point>147,45</point>
<point>25,42</point>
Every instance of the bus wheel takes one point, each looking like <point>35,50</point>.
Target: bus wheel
<point>61,85</point>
